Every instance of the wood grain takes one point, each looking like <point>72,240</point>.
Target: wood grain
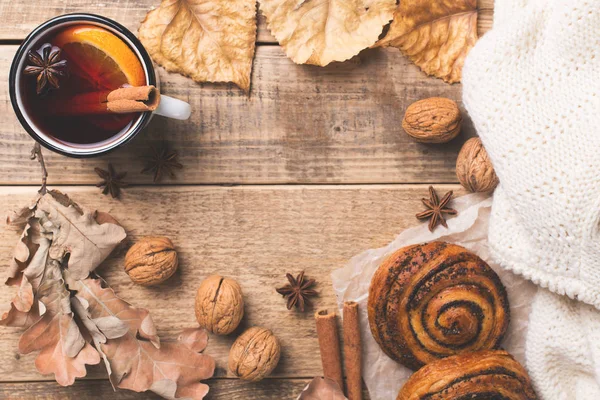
<point>255,234</point>
<point>220,389</point>
<point>21,16</point>
<point>301,124</point>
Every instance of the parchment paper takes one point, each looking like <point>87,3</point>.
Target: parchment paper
<point>383,376</point>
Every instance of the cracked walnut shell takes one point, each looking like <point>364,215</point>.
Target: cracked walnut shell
<point>433,120</point>
<point>474,168</point>
<point>254,354</point>
<point>151,261</point>
<point>219,305</point>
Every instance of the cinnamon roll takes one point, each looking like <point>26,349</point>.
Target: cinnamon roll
<point>435,300</point>
<point>484,375</point>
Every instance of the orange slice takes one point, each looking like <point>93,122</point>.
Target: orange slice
<point>99,56</point>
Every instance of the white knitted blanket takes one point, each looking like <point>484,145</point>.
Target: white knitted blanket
<point>532,88</point>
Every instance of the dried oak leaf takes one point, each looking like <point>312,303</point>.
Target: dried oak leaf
<point>322,389</point>
<point>138,361</point>
<point>25,269</point>
<point>63,350</point>
<point>435,34</point>
<point>77,233</point>
<point>22,319</point>
<point>207,40</point>
<point>21,273</point>
<point>319,32</point>
<point>195,339</point>
<point>54,227</point>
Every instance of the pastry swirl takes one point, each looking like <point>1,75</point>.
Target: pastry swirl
<point>435,300</point>
<point>483,375</point>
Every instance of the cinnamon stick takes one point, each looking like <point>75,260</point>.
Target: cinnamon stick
<point>120,101</point>
<point>352,351</point>
<point>329,343</point>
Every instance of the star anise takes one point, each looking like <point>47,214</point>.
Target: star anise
<point>47,65</point>
<point>298,291</point>
<point>161,161</point>
<point>436,209</point>
<point>112,181</point>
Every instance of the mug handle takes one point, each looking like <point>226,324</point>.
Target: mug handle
<point>173,108</point>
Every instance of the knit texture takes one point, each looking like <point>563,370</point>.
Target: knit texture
<point>532,88</point>
<point>563,348</point>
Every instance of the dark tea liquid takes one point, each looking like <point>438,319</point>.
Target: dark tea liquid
<point>97,60</point>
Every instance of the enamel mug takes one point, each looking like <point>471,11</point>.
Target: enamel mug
<point>168,107</point>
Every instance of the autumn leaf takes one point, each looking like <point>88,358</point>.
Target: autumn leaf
<point>435,34</point>
<point>207,40</point>
<point>21,319</point>
<point>100,328</point>
<point>74,320</point>
<point>102,304</point>
<point>138,361</point>
<point>75,232</point>
<point>195,339</point>
<point>63,350</point>
<point>322,389</point>
<point>26,264</point>
<point>54,227</point>
<point>25,271</point>
<point>321,31</point>
<point>20,217</point>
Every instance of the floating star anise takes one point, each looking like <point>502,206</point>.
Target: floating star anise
<point>111,180</point>
<point>47,65</point>
<point>298,291</point>
<point>161,160</point>
<point>436,209</point>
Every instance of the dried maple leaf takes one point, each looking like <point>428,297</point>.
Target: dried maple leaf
<point>207,40</point>
<point>319,32</point>
<point>435,34</point>
<point>322,389</point>
<point>138,361</point>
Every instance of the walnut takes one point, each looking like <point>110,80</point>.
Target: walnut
<point>433,120</point>
<point>254,354</point>
<point>219,305</point>
<point>474,168</point>
<point>151,261</point>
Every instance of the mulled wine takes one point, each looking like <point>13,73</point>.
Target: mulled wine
<point>72,60</point>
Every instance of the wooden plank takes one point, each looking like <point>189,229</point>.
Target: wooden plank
<point>21,16</point>
<point>221,389</point>
<point>301,124</point>
<point>255,234</point>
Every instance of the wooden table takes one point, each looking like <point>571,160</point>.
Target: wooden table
<point>310,169</point>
